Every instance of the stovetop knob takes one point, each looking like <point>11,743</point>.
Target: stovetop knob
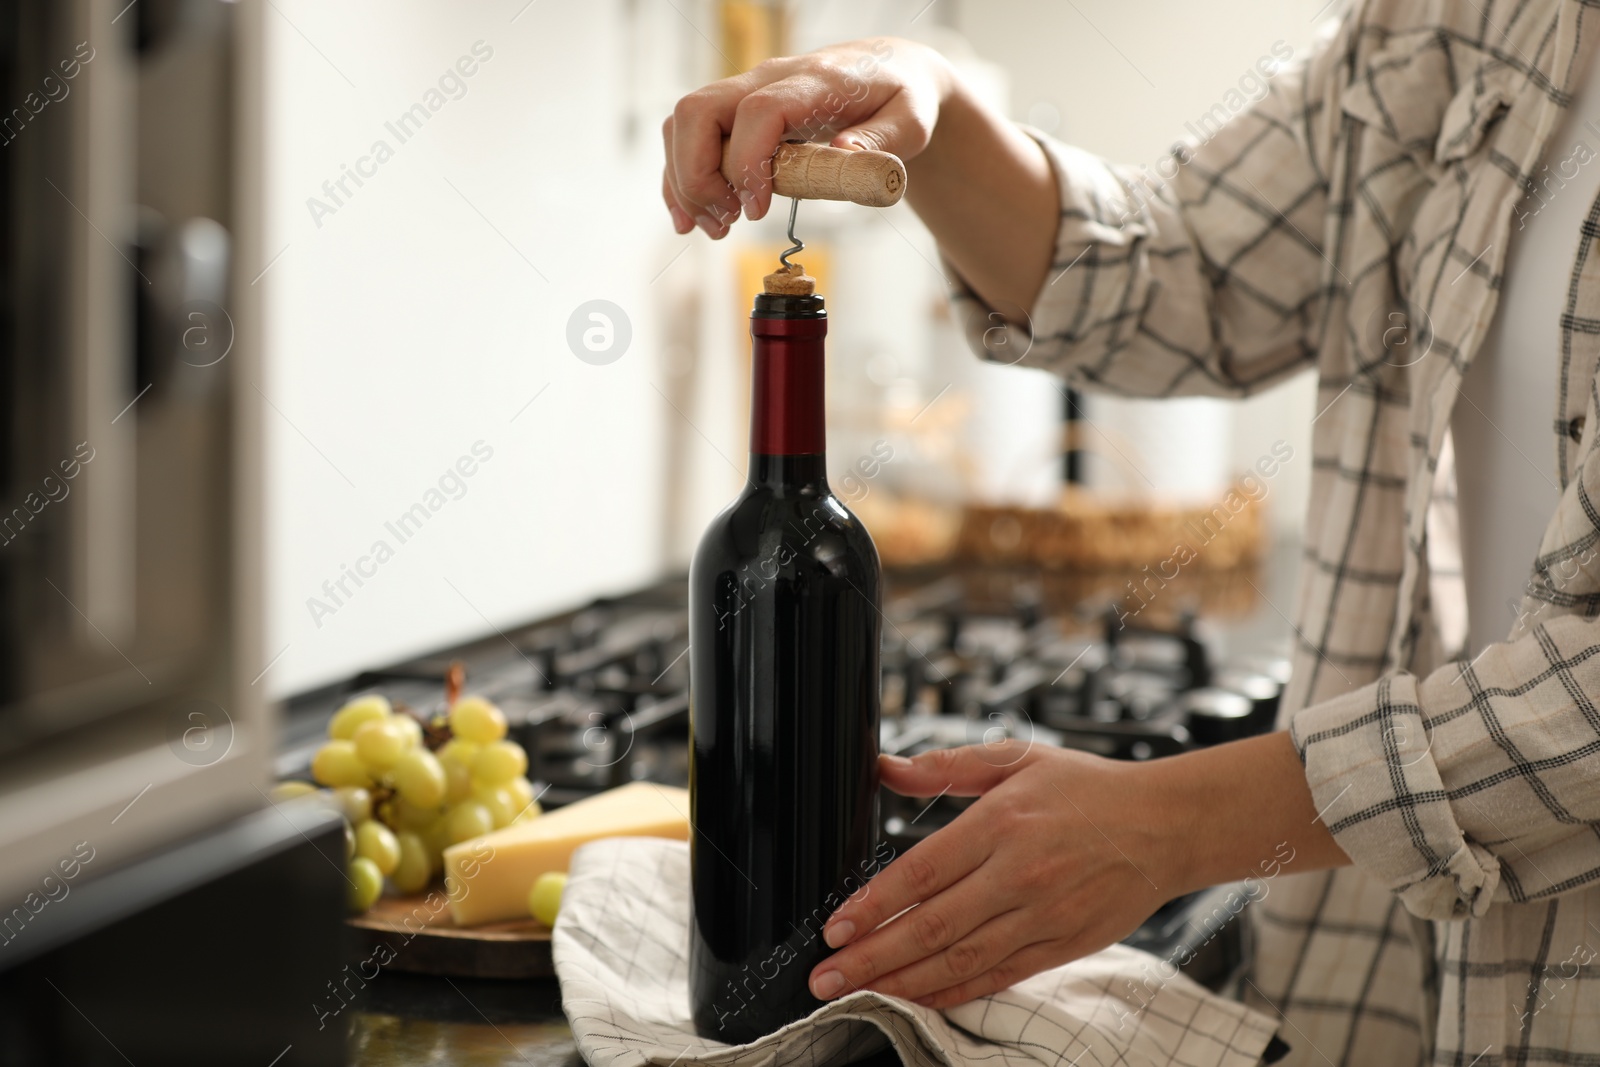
<point>954,621</point>
<point>1263,692</point>
<point>548,677</point>
<point>914,674</point>
<point>1029,604</point>
<point>1215,716</point>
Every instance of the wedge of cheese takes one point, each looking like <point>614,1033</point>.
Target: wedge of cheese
<point>487,878</point>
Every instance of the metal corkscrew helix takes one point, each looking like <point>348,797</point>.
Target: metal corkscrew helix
<point>804,171</point>
<point>795,244</point>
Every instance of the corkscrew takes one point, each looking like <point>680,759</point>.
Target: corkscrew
<point>805,171</point>
<point>795,244</point>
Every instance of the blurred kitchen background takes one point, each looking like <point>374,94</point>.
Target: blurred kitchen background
<point>431,309</point>
<point>287,280</point>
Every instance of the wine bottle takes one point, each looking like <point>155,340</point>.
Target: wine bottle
<point>784,612</point>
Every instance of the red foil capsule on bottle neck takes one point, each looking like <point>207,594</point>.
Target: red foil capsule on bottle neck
<point>786,385</point>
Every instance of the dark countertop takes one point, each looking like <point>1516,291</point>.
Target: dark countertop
<point>403,1020</point>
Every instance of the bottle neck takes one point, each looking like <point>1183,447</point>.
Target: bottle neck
<point>789,474</point>
<point>788,437</point>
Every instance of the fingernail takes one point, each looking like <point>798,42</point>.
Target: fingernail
<point>748,200</point>
<point>708,224</point>
<point>839,933</point>
<point>827,984</point>
<point>899,763</point>
<point>681,222</point>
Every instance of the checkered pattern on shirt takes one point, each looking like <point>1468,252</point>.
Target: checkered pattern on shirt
<point>1376,184</point>
<point>621,954</point>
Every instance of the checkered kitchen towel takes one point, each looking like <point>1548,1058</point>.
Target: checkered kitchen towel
<point>621,954</point>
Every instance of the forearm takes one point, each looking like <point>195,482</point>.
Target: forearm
<point>986,191</point>
<point>1232,809</point>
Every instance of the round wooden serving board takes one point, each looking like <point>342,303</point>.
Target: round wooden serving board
<point>423,938</point>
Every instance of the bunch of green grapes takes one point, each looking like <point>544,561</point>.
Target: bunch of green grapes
<point>404,803</point>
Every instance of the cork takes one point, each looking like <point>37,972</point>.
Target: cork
<point>790,281</point>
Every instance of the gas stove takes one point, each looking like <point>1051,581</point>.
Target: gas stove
<point>599,696</point>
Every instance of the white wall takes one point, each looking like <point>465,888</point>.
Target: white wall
<point>406,327</point>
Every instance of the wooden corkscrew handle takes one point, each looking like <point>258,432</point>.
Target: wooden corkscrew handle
<point>806,171</point>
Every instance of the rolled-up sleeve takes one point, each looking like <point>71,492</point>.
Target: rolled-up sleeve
<point>1477,784</point>
<point>1202,274</point>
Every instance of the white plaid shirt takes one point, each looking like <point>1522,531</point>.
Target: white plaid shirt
<point>1375,185</point>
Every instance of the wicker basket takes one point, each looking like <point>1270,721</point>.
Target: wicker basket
<point>1086,531</point>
